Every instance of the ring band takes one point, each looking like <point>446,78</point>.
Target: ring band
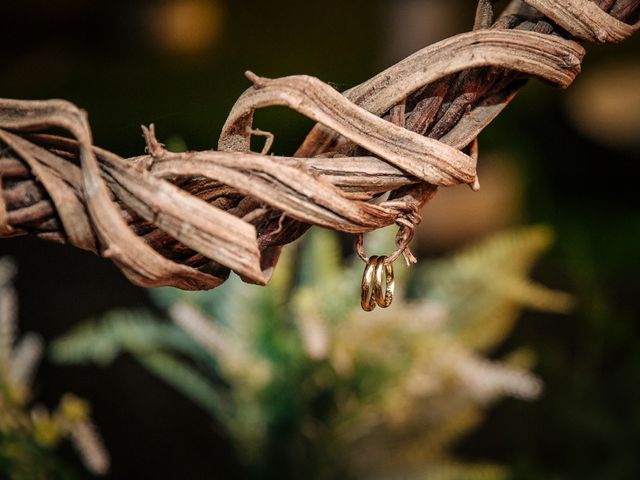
<point>367,302</point>
<point>383,300</point>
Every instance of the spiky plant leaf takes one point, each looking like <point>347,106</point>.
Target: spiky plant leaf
<point>121,331</point>
<point>486,285</point>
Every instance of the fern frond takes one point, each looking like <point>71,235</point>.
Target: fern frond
<point>485,286</point>
<point>535,296</point>
<point>186,379</point>
<point>73,416</point>
<point>485,381</point>
<point>90,447</point>
<point>489,327</point>
<point>203,331</point>
<point>513,251</point>
<point>119,332</point>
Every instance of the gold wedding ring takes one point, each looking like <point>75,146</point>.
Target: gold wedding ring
<point>383,300</point>
<point>367,302</point>
<point>372,280</point>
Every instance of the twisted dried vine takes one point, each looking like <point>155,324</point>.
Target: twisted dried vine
<point>188,219</point>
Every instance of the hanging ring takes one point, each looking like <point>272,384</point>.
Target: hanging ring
<point>372,293</point>
<point>372,280</point>
<point>383,300</point>
<point>367,300</point>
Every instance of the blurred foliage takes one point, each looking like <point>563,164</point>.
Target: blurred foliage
<point>588,424</point>
<point>305,383</point>
<point>29,435</point>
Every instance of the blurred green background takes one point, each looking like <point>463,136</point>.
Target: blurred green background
<point>565,159</point>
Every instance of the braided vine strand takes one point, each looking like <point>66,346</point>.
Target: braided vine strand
<point>188,219</point>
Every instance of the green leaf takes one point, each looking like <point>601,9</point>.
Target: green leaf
<point>119,332</point>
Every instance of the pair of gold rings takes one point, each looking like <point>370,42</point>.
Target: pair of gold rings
<point>372,292</point>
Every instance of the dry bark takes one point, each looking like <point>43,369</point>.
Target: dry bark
<point>188,219</point>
